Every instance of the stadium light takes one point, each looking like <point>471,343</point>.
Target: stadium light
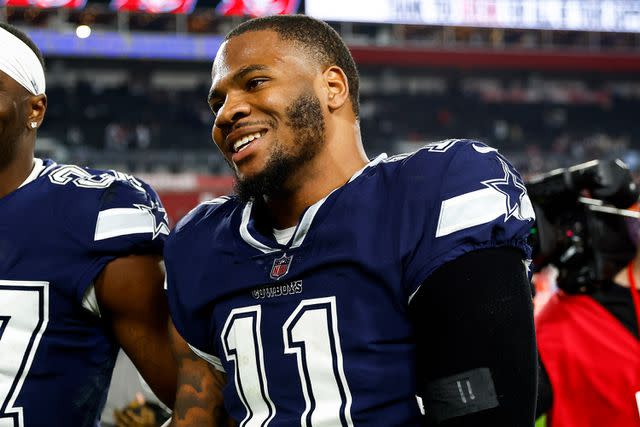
<point>83,31</point>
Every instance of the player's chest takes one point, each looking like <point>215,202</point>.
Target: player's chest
<point>33,242</point>
<point>323,266</point>
<point>274,295</point>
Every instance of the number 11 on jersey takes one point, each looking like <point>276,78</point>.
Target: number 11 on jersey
<point>311,333</point>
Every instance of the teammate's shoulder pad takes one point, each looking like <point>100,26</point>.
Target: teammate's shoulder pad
<point>86,188</point>
<point>87,180</point>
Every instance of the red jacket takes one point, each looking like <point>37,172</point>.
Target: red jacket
<point>593,363</point>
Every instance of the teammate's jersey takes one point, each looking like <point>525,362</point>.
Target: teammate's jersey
<point>57,232</point>
<point>316,332</point>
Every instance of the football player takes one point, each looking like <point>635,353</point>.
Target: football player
<point>81,273</point>
<point>337,291</point>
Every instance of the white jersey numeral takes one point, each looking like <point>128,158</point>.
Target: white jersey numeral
<point>82,178</point>
<point>311,333</point>
<point>24,314</point>
<point>243,345</point>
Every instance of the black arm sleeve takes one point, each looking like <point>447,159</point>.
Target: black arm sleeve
<point>472,313</point>
<point>545,392</point>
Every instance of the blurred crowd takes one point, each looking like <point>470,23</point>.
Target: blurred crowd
<point>137,123</point>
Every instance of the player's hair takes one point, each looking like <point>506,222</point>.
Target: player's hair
<point>25,39</point>
<point>321,41</point>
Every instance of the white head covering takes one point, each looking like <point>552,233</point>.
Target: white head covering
<point>19,62</point>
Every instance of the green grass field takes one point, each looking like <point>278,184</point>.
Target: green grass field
<point>542,421</point>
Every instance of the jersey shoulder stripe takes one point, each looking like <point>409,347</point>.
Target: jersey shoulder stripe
<point>125,221</point>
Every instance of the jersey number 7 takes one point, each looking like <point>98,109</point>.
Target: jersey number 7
<point>24,314</point>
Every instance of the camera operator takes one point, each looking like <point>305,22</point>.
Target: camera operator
<point>587,333</point>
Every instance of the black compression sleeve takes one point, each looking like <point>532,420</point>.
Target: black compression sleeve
<point>476,312</point>
<point>545,392</point>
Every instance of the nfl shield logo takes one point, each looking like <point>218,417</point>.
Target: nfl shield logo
<point>280,266</point>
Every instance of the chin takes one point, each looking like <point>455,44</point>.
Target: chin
<point>243,177</point>
<point>249,170</point>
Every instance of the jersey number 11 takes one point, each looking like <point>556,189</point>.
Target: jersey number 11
<point>311,333</point>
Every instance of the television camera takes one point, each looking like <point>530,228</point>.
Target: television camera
<point>581,225</point>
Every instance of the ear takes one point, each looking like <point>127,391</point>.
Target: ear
<point>37,106</point>
<point>337,87</point>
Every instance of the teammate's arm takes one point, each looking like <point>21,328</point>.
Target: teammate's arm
<point>132,299</point>
<point>199,401</point>
<point>476,352</point>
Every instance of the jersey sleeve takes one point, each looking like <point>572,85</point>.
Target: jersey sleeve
<point>471,198</point>
<point>130,219</point>
<point>185,255</point>
<point>107,216</point>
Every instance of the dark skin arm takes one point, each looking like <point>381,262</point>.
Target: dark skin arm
<point>199,400</point>
<point>132,299</point>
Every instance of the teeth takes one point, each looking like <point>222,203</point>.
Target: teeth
<point>242,143</point>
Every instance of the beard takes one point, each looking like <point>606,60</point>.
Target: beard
<point>304,117</point>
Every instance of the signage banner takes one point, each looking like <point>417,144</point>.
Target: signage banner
<point>583,15</point>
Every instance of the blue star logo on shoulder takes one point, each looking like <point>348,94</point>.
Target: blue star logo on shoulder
<point>158,217</point>
<point>510,181</point>
<point>280,266</point>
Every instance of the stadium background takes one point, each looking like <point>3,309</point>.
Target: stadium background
<point>550,83</point>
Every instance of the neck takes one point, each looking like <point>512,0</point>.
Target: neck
<point>341,157</point>
<point>14,174</point>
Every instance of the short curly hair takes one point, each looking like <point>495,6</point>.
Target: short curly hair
<point>321,41</point>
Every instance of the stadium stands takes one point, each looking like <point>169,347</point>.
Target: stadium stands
<point>134,118</point>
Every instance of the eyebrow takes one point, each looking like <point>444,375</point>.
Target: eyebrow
<point>238,76</point>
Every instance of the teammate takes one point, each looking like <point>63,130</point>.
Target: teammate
<point>80,267</point>
<point>337,291</point>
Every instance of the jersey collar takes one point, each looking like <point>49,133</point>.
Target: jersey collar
<point>38,167</point>
<point>257,241</point>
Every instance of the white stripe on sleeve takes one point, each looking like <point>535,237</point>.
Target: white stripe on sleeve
<point>470,209</point>
<point>123,221</point>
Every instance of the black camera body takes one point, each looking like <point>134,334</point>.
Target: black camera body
<point>580,222</point>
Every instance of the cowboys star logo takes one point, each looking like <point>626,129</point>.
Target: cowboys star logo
<point>159,217</point>
<point>505,185</point>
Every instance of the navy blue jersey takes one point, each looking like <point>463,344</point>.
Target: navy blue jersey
<point>316,332</point>
<point>57,232</point>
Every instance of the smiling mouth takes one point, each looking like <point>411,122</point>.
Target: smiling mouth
<point>245,141</point>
